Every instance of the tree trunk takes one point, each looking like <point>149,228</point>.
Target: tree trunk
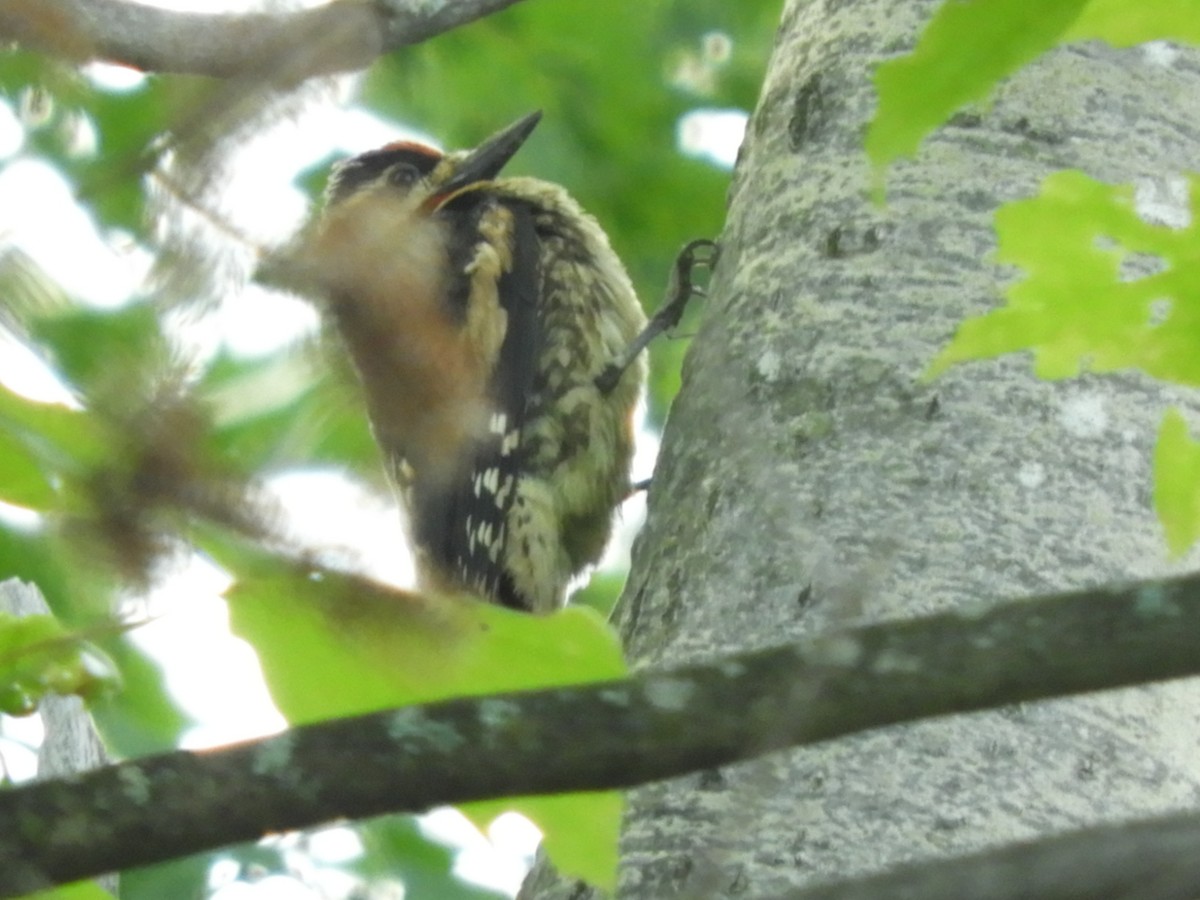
<point>809,480</point>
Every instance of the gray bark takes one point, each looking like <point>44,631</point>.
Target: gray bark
<point>808,479</point>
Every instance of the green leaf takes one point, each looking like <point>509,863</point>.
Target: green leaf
<point>601,592</point>
<point>187,876</point>
<point>142,717</point>
<point>22,480</point>
<point>183,877</point>
<point>966,49</point>
<point>76,595</point>
<point>79,890</point>
<point>21,69</point>
<point>129,126</point>
<point>1124,24</point>
<point>38,656</point>
<point>1177,483</point>
<point>334,645</point>
<point>1104,289</point>
<point>581,831</point>
<point>281,410</point>
<point>396,848</point>
<point>98,349</point>
<point>393,648</point>
<point>55,435</point>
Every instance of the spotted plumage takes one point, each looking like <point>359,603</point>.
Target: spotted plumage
<point>478,312</point>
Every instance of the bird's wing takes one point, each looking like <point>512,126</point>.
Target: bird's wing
<point>461,527</point>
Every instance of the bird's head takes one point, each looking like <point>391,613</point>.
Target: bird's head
<point>427,178</point>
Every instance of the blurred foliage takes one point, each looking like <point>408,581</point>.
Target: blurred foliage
<point>395,849</point>
<point>71,452</point>
<point>162,451</point>
<point>38,656</point>
<point>63,112</point>
<point>80,890</point>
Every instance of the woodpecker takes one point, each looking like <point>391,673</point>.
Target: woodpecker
<point>479,312</point>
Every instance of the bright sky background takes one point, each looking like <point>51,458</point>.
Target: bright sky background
<point>229,700</point>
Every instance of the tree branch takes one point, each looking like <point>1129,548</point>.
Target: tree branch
<point>288,47</point>
<point>610,735</point>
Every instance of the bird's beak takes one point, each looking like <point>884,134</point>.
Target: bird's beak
<point>485,161</point>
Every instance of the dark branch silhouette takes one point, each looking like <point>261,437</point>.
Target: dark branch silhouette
<point>283,47</point>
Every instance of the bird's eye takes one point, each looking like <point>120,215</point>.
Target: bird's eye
<point>403,175</point>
